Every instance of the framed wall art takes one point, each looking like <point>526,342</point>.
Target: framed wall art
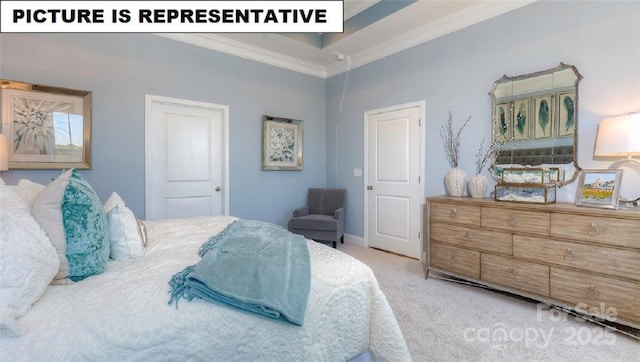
<point>521,121</point>
<point>599,188</point>
<point>543,117</point>
<point>281,144</point>
<point>567,111</point>
<point>46,127</point>
<point>503,121</point>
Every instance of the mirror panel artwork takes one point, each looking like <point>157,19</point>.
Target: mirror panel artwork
<point>535,118</point>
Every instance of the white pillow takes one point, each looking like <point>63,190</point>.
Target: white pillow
<point>28,190</point>
<point>127,233</point>
<point>46,209</point>
<point>28,260</point>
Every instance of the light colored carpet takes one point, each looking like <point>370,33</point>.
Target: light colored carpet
<point>446,321</point>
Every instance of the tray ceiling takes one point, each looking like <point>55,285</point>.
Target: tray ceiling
<point>373,29</point>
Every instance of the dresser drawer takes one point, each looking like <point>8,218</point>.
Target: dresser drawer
<point>598,259</point>
<point>479,239</point>
<point>458,261</point>
<point>534,222</point>
<point>603,230</point>
<point>597,292</point>
<point>455,213</point>
<point>517,274</point>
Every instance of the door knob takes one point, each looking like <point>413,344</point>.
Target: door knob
<point>369,187</point>
<point>218,188</point>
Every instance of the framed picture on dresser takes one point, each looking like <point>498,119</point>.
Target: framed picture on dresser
<point>599,188</point>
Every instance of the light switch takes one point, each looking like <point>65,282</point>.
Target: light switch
<point>357,172</point>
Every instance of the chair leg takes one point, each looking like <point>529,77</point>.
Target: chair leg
<point>334,245</point>
<point>342,239</point>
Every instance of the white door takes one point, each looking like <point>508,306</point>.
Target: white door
<point>393,178</point>
<point>185,159</point>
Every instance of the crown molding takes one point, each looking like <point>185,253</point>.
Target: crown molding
<point>470,16</point>
<point>357,8</point>
<point>229,46</point>
<point>444,26</point>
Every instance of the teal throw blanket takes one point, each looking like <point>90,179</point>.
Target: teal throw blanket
<point>252,265</point>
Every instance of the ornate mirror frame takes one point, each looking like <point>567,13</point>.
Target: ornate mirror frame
<point>536,114</point>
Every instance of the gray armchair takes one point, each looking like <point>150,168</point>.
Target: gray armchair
<point>322,219</point>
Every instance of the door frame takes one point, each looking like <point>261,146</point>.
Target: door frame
<point>149,100</point>
<point>421,111</point>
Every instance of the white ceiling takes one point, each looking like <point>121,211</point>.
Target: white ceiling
<point>421,21</point>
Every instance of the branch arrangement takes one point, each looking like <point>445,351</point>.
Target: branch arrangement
<point>452,144</point>
<point>482,158</point>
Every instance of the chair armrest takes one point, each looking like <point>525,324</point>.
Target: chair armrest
<point>301,211</point>
<point>339,214</point>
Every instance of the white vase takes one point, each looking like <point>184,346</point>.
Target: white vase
<point>478,186</point>
<point>455,181</point>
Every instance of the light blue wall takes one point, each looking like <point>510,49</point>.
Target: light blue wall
<point>121,68</point>
<point>455,73</point>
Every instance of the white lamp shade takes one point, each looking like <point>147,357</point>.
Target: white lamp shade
<point>4,153</point>
<point>619,136</point>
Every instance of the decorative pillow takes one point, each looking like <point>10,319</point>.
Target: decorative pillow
<point>28,190</point>
<point>28,261</point>
<point>126,232</point>
<point>46,208</point>
<point>72,215</point>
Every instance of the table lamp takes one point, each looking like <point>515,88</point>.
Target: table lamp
<point>4,153</point>
<point>619,136</point>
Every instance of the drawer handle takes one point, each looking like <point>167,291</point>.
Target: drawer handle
<point>569,255</point>
<point>453,260</point>
<point>593,229</point>
<point>466,237</point>
<point>512,274</point>
<point>454,213</point>
<point>593,293</point>
<point>512,220</point>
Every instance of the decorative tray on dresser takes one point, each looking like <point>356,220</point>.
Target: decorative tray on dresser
<point>584,259</point>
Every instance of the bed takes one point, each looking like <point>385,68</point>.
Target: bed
<point>122,313</point>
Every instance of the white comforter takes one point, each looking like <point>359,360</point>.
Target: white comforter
<point>123,313</point>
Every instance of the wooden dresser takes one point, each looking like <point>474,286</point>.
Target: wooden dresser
<point>585,259</point>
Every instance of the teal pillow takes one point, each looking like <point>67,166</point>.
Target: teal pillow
<point>86,229</point>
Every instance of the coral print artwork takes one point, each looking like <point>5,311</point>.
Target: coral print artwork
<point>282,144</point>
<point>46,127</point>
<point>33,124</point>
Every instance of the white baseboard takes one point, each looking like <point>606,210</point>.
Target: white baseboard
<point>353,239</point>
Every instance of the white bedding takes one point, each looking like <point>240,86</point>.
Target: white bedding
<point>123,313</point>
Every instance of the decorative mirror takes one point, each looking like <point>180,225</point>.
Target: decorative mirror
<point>535,117</point>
